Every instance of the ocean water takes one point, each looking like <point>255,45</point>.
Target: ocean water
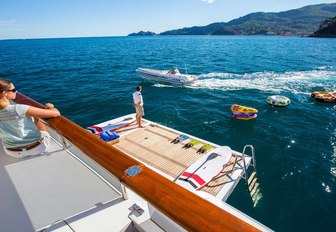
<point>92,80</point>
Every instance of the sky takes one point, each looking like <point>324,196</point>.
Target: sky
<point>22,19</point>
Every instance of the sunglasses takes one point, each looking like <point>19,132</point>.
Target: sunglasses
<point>12,90</point>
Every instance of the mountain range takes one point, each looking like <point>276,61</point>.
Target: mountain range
<point>302,21</point>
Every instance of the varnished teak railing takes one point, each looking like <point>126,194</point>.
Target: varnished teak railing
<point>190,211</point>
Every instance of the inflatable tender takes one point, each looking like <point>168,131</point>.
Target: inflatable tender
<point>324,96</point>
<point>243,112</point>
<point>278,100</point>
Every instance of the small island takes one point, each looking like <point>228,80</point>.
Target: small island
<point>143,33</point>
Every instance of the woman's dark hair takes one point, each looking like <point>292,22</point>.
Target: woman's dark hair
<point>4,84</point>
<point>138,88</point>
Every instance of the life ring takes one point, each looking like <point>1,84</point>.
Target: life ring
<point>324,96</point>
<point>278,100</point>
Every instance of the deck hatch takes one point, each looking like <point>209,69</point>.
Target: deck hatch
<point>132,171</point>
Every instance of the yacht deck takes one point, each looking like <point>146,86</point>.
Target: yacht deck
<point>66,189</point>
<point>38,191</point>
<point>152,145</point>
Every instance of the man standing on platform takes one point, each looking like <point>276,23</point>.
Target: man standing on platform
<point>138,105</point>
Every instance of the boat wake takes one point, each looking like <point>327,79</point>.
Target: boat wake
<point>302,82</point>
<point>165,85</point>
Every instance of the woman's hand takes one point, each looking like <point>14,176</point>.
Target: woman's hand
<point>49,106</point>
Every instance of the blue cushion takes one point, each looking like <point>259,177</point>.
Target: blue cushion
<point>108,136</point>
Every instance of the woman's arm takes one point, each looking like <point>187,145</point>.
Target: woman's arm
<point>49,112</point>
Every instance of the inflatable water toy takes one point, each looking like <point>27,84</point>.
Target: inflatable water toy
<point>244,116</point>
<point>278,100</point>
<point>324,96</point>
<point>243,112</point>
<point>243,109</point>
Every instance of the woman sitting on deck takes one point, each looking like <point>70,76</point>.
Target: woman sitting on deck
<point>22,132</point>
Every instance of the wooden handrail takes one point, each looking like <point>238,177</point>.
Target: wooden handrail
<point>185,208</point>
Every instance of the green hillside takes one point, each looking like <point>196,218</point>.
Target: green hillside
<point>302,21</point>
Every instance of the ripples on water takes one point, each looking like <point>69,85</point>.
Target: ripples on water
<point>91,80</point>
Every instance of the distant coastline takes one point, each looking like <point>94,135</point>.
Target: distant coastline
<point>303,21</point>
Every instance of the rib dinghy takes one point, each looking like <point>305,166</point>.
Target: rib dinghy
<point>165,76</point>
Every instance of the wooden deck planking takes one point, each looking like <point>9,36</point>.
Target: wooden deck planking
<point>148,152</point>
<point>139,153</point>
<point>153,145</point>
<point>155,159</point>
<point>176,151</point>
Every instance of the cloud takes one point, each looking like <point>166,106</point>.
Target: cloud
<point>208,1</point>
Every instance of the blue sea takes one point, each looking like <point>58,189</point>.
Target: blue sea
<point>92,80</point>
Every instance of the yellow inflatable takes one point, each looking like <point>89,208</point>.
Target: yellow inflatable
<point>243,109</point>
<point>324,96</point>
<point>243,112</point>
